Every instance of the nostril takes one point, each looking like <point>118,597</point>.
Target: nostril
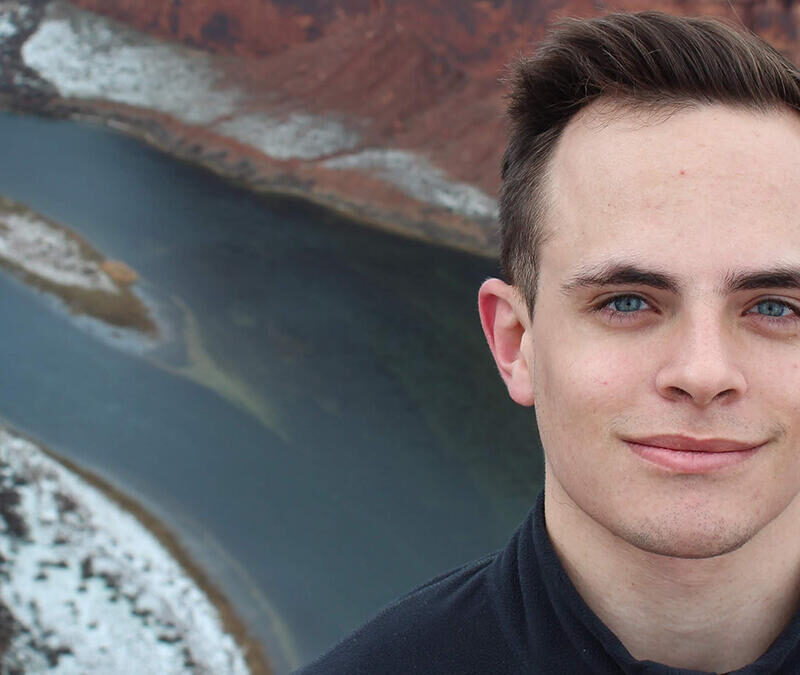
<point>677,393</point>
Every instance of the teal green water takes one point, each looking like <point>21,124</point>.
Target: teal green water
<point>322,426</point>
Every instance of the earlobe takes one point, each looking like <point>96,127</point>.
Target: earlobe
<point>504,320</point>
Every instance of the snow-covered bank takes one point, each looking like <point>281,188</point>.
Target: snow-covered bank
<point>87,589</point>
<point>90,57</point>
<point>85,56</point>
<point>420,180</point>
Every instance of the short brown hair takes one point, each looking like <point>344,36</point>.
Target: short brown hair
<point>645,59</point>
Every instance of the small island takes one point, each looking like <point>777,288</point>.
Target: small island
<point>58,261</point>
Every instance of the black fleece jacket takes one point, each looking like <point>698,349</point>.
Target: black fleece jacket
<point>513,612</point>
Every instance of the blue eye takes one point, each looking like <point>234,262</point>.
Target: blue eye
<point>772,308</point>
<point>627,303</point>
<point>625,309</point>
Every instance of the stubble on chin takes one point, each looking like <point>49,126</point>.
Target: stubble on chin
<point>693,535</point>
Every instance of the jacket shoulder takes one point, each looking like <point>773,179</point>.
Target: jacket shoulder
<point>447,625</point>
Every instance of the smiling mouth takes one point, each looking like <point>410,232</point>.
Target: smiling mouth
<point>683,454</point>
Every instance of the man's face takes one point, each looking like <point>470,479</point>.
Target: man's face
<point>667,305</point>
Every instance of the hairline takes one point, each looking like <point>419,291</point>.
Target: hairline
<point>608,109</point>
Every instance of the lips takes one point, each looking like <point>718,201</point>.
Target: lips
<point>684,454</point>
<point>676,442</point>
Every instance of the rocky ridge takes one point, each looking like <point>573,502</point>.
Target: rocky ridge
<point>391,111</point>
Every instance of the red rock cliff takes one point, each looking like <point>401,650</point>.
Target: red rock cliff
<point>420,75</point>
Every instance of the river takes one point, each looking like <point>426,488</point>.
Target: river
<point>321,426</point>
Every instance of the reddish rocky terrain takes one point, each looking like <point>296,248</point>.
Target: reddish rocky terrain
<point>415,75</point>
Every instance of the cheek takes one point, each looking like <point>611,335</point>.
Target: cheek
<point>573,403</point>
<point>583,392</point>
<point>585,381</point>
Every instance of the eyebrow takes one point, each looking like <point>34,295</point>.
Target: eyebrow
<point>780,277</point>
<point>618,274</point>
<point>611,274</point>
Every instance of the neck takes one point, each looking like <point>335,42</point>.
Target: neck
<point>716,614</point>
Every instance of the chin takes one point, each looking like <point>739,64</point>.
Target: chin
<point>706,538</point>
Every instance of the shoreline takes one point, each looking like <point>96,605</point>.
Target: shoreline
<point>231,623</point>
<point>196,148</point>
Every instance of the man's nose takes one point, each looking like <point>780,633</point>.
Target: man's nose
<point>700,364</point>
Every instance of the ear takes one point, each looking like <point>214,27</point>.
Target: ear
<point>504,317</point>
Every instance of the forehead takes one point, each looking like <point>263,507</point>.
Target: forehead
<point>671,188</point>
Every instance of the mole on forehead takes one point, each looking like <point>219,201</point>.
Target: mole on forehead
<point>606,150</point>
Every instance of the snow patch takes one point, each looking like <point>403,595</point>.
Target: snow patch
<point>15,16</point>
<point>91,590</point>
<point>8,25</point>
<point>48,253</point>
<point>299,136</point>
<point>418,178</point>
<point>88,56</point>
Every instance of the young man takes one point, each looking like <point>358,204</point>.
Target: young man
<point>651,241</point>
